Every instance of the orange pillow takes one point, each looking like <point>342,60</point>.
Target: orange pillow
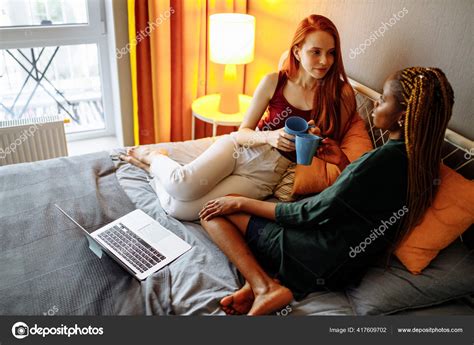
<point>451,213</point>
<point>320,175</point>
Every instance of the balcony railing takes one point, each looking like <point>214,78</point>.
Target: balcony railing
<point>35,87</point>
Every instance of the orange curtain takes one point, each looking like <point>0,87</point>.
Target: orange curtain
<point>170,68</point>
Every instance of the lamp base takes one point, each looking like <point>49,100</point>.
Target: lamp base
<point>229,101</point>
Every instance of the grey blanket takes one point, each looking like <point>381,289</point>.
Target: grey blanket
<point>195,282</point>
<point>46,266</point>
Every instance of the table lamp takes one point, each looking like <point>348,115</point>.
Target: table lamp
<point>231,42</point>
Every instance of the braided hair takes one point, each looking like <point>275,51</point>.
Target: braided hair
<point>427,98</point>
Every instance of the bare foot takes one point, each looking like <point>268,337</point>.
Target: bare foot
<point>276,297</point>
<point>136,162</point>
<point>239,302</point>
<point>145,153</point>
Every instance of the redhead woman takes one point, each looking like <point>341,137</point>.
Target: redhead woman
<point>312,84</point>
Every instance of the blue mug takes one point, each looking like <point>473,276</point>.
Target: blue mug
<point>306,145</point>
<point>295,125</point>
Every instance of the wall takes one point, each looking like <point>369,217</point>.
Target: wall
<point>117,26</point>
<point>429,33</point>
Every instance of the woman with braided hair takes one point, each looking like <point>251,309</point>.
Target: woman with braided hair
<point>287,250</point>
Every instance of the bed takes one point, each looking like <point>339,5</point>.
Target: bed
<point>46,267</point>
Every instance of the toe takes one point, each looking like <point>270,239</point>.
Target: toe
<point>226,301</point>
<point>125,158</point>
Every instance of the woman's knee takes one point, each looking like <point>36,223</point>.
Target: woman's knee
<point>239,220</point>
<point>227,143</point>
<point>205,224</point>
<point>181,210</point>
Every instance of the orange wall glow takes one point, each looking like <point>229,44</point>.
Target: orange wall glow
<point>276,21</point>
<point>433,35</point>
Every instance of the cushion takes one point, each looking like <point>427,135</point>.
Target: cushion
<point>284,189</point>
<point>450,215</point>
<point>385,291</point>
<point>320,175</point>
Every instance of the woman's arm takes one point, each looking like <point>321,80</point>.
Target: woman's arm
<point>291,214</point>
<point>232,204</point>
<point>261,97</point>
<point>246,135</point>
<point>258,208</point>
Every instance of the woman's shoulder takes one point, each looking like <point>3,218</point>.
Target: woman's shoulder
<point>269,83</point>
<point>395,148</point>
<point>347,89</point>
<point>271,78</point>
<point>348,108</point>
<point>391,153</point>
<point>348,95</point>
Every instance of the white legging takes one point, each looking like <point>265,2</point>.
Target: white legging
<point>201,170</point>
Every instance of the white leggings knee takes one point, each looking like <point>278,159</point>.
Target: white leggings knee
<point>197,178</point>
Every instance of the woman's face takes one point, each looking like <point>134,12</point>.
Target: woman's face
<point>316,55</point>
<point>387,109</point>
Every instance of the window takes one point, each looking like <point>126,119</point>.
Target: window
<point>17,13</point>
<point>54,61</point>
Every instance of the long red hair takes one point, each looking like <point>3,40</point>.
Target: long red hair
<point>327,102</point>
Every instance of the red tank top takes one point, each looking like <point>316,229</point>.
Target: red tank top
<point>279,110</point>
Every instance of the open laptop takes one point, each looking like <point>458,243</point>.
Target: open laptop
<point>137,242</point>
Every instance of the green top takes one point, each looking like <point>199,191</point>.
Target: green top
<point>328,239</point>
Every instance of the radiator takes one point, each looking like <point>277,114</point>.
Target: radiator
<point>29,140</point>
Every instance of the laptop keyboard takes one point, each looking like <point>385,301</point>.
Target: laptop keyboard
<point>139,254</point>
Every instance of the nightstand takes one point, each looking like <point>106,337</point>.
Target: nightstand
<point>206,109</point>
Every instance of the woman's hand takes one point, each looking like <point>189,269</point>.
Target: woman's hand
<point>280,139</point>
<point>315,130</point>
<point>220,207</point>
<point>330,152</point>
